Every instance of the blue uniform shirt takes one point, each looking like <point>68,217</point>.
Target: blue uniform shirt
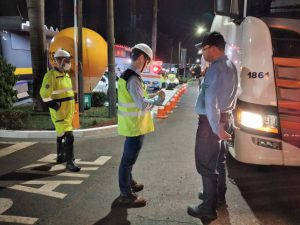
<point>218,91</point>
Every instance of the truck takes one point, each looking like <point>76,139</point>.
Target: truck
<point>263,41</point>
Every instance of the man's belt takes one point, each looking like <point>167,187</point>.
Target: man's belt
<point>224,117</point>
<point>64,99</point>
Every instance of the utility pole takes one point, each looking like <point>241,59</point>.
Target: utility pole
<point>171,56</point>
<point>112,111</point>
<point>133,14</point>
<point>179,54</point>
<point>78,53</point>
<point>61,14</point>
<point>154,28</point>
<point>80,75</point>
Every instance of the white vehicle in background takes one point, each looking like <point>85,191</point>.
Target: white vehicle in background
<point>263,40</point>
<point>102,85</point>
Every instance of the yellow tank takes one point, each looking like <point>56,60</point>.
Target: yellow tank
<point>94,51</point>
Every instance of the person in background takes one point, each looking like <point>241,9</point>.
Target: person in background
<point>134,121</point>
<point>214,105</point>
<point>56,91</point>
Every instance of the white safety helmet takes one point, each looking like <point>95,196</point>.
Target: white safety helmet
<point>60,53</point>
<point>144,48</point>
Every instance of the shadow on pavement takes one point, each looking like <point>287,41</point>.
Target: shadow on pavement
<point>23,175</point>
<point>116,216</point>
<point>270,191</point>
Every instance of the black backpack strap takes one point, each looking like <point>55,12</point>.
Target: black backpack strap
<point>128,73</point>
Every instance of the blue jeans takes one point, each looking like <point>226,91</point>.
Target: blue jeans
<point>132,147</point>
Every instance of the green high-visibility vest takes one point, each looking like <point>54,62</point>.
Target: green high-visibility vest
<point>57,87</point>
<point>131,120</point>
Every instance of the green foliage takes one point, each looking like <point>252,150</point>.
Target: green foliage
<point>7,80</point>
<point>98,99</point>
<point>183,80</point>
<point>13,119</point>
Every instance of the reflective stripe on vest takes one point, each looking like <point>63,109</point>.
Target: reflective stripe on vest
<point>61,91</point>
<point>131,120</point>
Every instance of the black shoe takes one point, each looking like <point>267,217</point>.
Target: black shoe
<point>220,202</point>
<point>136,187</point>
<point>131,201</point>
<point>61,159</point>
<point>201,213</point>
<point>71,166</point>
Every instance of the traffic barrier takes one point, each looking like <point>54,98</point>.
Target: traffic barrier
<point>161,113</point>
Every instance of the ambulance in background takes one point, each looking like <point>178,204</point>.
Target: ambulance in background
<point>151,76</point>
<point>263,40</point>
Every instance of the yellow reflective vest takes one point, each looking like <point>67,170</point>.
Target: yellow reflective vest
<point>57,87</point>
<point>132,121</point>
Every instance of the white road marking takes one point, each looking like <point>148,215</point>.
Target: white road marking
<point>30,169</point>
<point>47,188</point>
<point>5,204</point>
<point>89,168</point>
<point>14,148</point>
<point>98,162</point>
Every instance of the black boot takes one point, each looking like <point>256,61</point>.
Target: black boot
<point>201,212</point>
<point>72,166</point>
<point>61,154</point>
<point>69,148</point>
<point>70,160</point>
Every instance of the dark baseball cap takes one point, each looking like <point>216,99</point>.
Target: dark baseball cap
<point>212,38</point>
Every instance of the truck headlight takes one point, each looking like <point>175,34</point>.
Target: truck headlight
<point>258,121</point>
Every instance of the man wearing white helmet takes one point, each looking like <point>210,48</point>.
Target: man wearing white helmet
<point>134,121</point>
<point>56,91</point>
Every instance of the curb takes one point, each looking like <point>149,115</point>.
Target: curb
<point>101,131</point>
<point>79,133</point>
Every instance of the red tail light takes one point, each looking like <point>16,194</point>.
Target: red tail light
<point>156,69</point>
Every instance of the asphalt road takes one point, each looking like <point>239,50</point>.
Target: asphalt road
<point>33,190</point>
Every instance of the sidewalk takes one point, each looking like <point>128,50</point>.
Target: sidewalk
<point>99,131</point>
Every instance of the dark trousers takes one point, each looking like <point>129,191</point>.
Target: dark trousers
<point>210,163</point>
<point>132,147</point>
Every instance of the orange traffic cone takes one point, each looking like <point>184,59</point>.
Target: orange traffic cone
<point>173,103</point>
<point>161,113</point>
<point>177,98</point>
<point>168,108</point>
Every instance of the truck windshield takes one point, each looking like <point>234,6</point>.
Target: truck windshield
<point>286,43</point>
<point>274,8</point>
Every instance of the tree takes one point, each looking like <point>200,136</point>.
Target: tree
<point>7,80</point>
<point>38,48</point>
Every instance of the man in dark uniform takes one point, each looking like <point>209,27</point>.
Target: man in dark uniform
<point>216,100</point>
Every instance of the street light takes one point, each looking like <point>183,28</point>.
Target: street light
<point>200,30</point>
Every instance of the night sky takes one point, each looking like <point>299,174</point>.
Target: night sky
<point>177,20</point>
